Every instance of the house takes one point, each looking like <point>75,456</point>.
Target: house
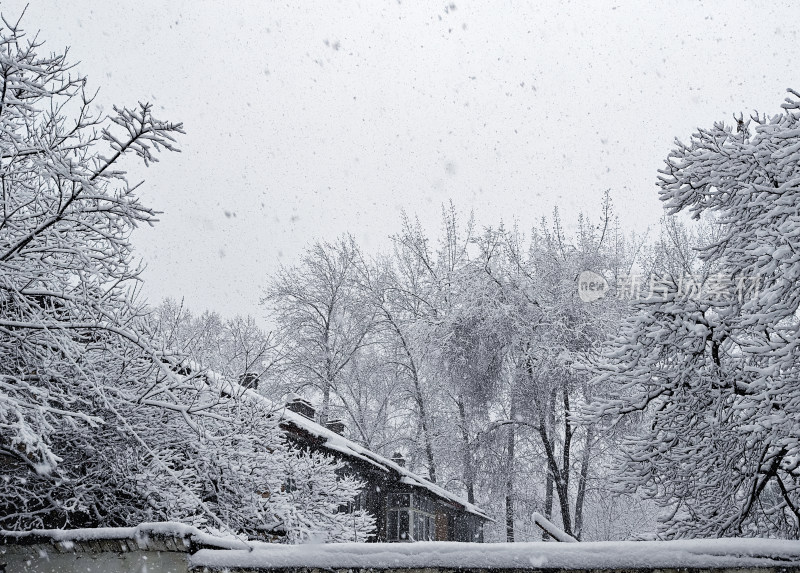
<point>407,506</point>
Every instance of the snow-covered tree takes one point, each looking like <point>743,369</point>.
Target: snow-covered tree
<point>234,472</point>
<point>549,331</point>
<point>233,469</point>
<point>322,319</point>
<point>483,332</point>
<point>101,423</point>
<point>70,347</point>
<point>236,348</point>
<point>710,358</point>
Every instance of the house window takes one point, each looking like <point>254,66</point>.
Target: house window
<point>391,525</point>
<point>403,526</point>
<point>410,517</point>
<point>358,503</point>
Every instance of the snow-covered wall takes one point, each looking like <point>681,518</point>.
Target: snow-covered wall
<point>175,548</point>
<point>148,548</point>
<point>741,555</point>
<point>45,560</point>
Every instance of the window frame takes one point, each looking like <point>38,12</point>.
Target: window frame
<point>410,516</point>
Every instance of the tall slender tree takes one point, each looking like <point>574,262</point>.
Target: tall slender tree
<point>321,315</point>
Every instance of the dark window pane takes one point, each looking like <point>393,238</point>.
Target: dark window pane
<point>403,522</point>
<point>391,525</point>
<point>405,500</point>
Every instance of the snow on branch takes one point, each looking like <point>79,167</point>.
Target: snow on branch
<point>551,529</point>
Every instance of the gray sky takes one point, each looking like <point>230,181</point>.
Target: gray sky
<point>307,120</point>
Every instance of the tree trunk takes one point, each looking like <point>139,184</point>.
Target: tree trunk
<point>327,384</point>
<point>418,397</point>
<point>562,479</point>
<point>549,483</point>
<point>560,475</point>
<point>510,475</point>
<point>581,495</point>
<point>423,414</point>
<point>548,502</point>
<point>469,471</point>
<point>426,434</point>
<point>326,403</point>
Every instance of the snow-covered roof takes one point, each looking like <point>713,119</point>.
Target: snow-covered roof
<point>709,554</point>
<point>338,443</point>
<point>334,442</point>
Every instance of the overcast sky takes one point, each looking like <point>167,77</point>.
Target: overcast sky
<point>308,120</point>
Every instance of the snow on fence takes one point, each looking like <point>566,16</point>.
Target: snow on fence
<point>175,548</point>
<point>148,548</point>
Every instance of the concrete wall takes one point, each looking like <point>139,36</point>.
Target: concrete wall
<point>40,559</point>
<point>175,548</point>
<point>37,559</point>
<point>482,570</point>
<point>150,548</point>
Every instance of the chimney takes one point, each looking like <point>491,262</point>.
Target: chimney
<point>249,380</point>
<point>336,425</point>
<point>398,458</point>
<point>301,406</point>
